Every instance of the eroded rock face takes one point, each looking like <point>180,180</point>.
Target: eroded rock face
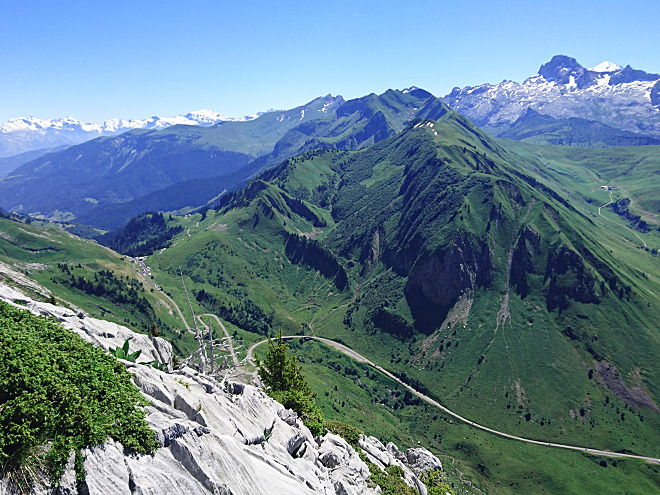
<point>220,438</point>
<point>414,462</point>
<point>437,281</point>
<point>215,438</point>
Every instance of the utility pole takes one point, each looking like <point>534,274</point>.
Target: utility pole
<point>198,337</point>
<point>210,328</point>
<point>211,347</point>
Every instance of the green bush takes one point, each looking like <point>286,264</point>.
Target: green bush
<point>391,481</point>
<point>305,406</point>
<point>60,393</point>
<point>436,482</point>
<point>349,433</point>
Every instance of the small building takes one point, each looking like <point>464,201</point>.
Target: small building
<point>608,188</point>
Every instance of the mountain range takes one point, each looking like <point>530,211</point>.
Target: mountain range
<point>484,274</point>
<point>21,135</point>
<point>623,98</point>
<point>615,96</point>
<point>509,280</point>
<point>481,270</point>
<point>173,165</point>
<point>106,181</point>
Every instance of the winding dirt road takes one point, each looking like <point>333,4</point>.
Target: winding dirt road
<point>229,339</point>
<point>617,223</point>
<point>358,357</point>
<point>148,280</point>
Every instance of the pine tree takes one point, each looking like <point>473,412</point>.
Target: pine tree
<point>285,382</point>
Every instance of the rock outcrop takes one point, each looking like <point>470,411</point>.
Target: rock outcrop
<point>216,437</point>
<point>413,461</point>
<point>437,281</point>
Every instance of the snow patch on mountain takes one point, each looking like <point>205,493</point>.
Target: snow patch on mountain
<point>30,133</point>
<point>622,98</point>
<point>606,67</point>
<point>200,117</point>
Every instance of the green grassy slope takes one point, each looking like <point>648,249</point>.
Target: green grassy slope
<point>481,269</point>
<point>53,257</point>
<point>354,393</point>
<point>107,181</point>
<point>463,269</point>
<point>580,173</point>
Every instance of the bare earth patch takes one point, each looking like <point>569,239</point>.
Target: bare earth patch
<point>634,396</point>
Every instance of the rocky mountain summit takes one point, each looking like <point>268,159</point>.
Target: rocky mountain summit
<point>221,438</point>
<point>623,98</point>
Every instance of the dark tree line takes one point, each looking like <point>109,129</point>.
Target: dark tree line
<point>313,254</point>
<point>124,292</point>
<point>141,236</point>
<point>244,314</point>
<point>620,207</point>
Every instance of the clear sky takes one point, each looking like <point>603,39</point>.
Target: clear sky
<point>95,60</point>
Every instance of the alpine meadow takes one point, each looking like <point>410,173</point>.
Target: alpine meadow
<point>395,293</point>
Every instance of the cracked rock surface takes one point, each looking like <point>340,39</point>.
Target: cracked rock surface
<point>215,438</point>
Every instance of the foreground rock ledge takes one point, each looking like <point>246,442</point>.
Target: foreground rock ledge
<point>217,438</point>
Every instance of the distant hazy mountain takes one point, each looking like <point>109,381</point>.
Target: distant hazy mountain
<point>27,134</point>
<point>107,181</point>
<point>11,163</point>
<point>534,127</point>
<point>624,98</point>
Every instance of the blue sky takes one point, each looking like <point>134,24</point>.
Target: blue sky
<point>98,60</point>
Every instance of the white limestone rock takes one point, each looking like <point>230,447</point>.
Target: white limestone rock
<point>219,438</point>
<point>104,334</point>
<point>414,462</point>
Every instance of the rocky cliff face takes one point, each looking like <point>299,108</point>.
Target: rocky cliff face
<point>522,260</point>
<point>569,278</point>
<point>437,281</point>
<point>221,438</point>
<point>623,98</point>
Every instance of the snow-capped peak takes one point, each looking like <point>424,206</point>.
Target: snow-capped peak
<point>200,117</point>
<point>606,67</point>
<point>205,116</point>
<point>29,133</point>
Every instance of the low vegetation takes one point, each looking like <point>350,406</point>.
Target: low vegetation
<point>349,433</point>
<point>60,394</point>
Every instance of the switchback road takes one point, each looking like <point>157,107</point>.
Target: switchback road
<point>229,339</point>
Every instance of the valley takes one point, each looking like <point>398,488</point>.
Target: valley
<point>492,303</point>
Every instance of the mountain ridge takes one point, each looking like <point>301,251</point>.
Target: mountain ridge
<point>623,98</point>
<point>109,171</point>
<point>23,134</point>
<point>469,268</point>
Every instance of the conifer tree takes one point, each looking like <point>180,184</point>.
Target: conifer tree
<point>285,382</point>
